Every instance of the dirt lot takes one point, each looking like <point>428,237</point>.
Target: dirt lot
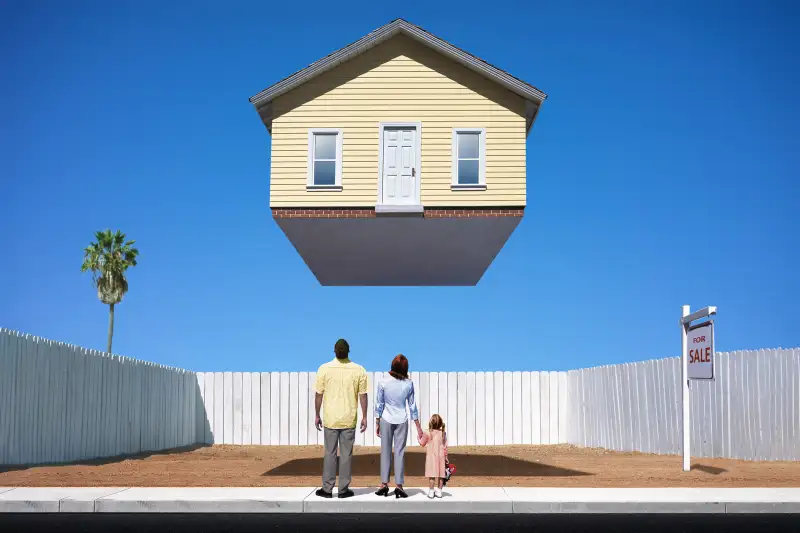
<point>265,466</point>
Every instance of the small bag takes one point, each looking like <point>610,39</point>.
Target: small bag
<point>449,470</point>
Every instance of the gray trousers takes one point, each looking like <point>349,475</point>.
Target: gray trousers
<point>396,433</point>
<point>342,439</point>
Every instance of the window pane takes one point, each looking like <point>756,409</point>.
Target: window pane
<point>468,145</point>
<point>324,146</point>
<point>324,172</point>
<point>468,171</point>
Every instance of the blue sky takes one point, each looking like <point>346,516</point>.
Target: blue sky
<point>662,170</point>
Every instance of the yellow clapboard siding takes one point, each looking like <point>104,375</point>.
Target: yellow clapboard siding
<point>314,199</point>
<point>430,134</point>
<point>427,159</point>
<point>502,182</point>
<point>427,109</point>
<point>312,116</point>
<point>412,92</point>
<point>370,127</point>
<point>428,150</point>
<point>482,201</point>
<point>357,169</point>
<point>408,99</point>
<point>433,189</point>
<point>398,81</point>
<point>362,167</point>
<point>289,140</point>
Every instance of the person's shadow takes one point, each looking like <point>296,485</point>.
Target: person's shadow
<point>467,465</point>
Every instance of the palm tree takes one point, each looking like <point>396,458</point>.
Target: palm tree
<point>108,258</point>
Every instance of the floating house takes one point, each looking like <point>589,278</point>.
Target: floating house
<point>398,160</point>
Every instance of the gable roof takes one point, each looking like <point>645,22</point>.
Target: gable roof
<point>399,26</point>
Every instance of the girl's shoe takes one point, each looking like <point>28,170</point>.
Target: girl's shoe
<point>383,491</point>
<point>400,493</point>
<point>430,494</point>
<point>438,493</point>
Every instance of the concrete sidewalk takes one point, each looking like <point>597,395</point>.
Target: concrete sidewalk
<point>462,500</point>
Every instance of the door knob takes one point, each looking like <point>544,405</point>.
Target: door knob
<point>413,171</point>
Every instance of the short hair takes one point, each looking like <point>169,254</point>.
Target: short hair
<point>399,367</point>
<point>341,348</point>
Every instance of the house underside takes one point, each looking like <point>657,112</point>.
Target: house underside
<point>356,247</point>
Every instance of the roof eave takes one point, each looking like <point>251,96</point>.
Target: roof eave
<point>531,112</point>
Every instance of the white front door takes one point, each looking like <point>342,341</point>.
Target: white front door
<point>400,173</point>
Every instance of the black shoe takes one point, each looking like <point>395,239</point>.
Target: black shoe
<point>383,491</point>
<point>346,493</point>
<point>322,493</point>
<point>400,493</point>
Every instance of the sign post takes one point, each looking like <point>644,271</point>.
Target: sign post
<point>697,363</point>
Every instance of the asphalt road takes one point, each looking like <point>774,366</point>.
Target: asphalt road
<point>463,523</point>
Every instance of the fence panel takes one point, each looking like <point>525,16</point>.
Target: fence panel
<point>255,406</point>
<point>293,415</point>
<point>489,433</point>
<point>433,394</point>
<point>462,408</point>
<point>423,400</point>
<point>311,430</point>
<point>499,416</point>
<point>247,409</point>
<point>536,408</point>
<point>544,394</point>
<point>266,408</point>
<point>508,408</point>
<point>516,407</point>
<point>238,408</point>
<point>452,409</point>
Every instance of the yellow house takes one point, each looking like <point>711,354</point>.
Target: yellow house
<point>398,160</point>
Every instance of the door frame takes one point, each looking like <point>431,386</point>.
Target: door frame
<point>417,154</point>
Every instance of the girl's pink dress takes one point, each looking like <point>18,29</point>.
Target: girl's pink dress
<point>435,451</point>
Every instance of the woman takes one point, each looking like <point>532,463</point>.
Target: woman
<point>391,422</point>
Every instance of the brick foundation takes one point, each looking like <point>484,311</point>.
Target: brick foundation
<point>369,212</point>
<point>449,212</point>
<point>323,212</point>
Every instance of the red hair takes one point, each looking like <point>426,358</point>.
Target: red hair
<point>399,367</point>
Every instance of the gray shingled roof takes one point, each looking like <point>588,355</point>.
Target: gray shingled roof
<point>398,26</point>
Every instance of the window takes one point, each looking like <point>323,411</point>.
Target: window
<point>469,160</point>
<point>325,159</point>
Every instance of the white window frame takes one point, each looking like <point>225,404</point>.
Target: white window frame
<point>481,185</point>
<point>337,185</point>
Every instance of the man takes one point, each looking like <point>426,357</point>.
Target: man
<point>342,384</point>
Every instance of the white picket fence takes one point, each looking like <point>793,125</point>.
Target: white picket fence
<point>750,411</point>
<point>63,403</point>
<point>479,408</point>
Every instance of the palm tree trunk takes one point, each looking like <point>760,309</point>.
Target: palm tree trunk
<point>110,325</point>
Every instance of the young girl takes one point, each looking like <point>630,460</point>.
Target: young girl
<point>435,441</point>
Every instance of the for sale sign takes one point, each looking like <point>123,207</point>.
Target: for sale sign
<point>700,346</point>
